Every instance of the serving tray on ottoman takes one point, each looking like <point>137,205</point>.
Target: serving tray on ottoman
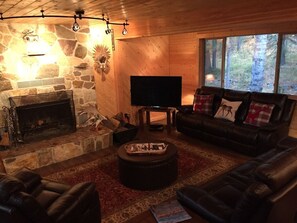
<point>146,148</point>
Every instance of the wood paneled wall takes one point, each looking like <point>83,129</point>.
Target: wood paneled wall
<point>140,56</point>
<point>173,55</point>
<point>183,54</point>
<point>106,85</point>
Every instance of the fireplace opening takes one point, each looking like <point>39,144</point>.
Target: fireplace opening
<point>43,116</point>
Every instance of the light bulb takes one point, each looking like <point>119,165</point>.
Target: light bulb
<point>125,31</point>
<point>75,27</point>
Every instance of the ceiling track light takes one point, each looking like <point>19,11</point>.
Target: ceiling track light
<point>125,31</point>
<point>75,26</point>
<point>108,30</point>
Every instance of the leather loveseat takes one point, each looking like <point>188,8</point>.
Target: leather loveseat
<point>262,190</point>
<point>247,139</point>
<point>27,198</point>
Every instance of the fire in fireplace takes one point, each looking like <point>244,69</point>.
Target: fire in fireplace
<point>43,116</point>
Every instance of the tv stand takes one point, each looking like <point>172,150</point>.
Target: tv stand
<point>170,112</point>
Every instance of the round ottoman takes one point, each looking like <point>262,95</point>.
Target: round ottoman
<point>148,172</point>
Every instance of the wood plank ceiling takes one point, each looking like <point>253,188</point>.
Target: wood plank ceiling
<point>157,17</point>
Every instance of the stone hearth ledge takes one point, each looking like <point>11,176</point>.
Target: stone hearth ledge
<point>37,154</point>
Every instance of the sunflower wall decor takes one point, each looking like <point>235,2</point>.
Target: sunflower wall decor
<point>101,55</point>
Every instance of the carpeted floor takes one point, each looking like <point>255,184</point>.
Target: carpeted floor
<point>119,203</point>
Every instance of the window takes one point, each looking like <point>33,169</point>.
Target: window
<point>213,62</point>
<point>249,63</point>
<point>288,65</point>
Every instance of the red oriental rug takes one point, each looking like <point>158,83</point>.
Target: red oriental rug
<point>119,203</point>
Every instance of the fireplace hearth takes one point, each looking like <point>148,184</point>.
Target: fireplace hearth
<point>42,116</point>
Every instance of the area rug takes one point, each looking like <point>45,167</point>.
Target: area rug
<point>119,203</point>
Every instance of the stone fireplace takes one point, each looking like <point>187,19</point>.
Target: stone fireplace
<point>50,125</point>
<point>43,116</point>
<point>67,65</point>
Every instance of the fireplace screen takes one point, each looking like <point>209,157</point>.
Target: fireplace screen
<point>43,116</point>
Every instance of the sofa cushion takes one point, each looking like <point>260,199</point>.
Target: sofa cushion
<point>211,90</point>
<point>278,100</point>
<point>279,170</point>
<point>203,104</point>
<point>76,199</point>
<point>216,91</point>
<point>250,201</point>
<point>8,186</point>
<point>288,111</point>
<point>244,97</point>
<point>244,134</point>
<point>245,172</point>
<point>204,204</point>
<point>259,114</point>
<point>28,206</point>
<point>193,120</point>
<point>29,178</point>
<point>217,127</point>
<point>228,110</point>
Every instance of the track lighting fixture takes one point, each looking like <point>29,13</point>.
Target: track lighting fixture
<point>78,14</point>
<point>108,30</point>
<point>125,31</point>
<point>75,26</point>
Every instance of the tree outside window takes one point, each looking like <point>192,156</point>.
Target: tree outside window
<point>250,63</point>
<point>288,65</point>
<point>213,62</point>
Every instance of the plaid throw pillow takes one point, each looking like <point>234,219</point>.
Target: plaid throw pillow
<point>259,114</point>
<point>203,104</point>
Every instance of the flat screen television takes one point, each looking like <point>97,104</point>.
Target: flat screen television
<point>156,91</point>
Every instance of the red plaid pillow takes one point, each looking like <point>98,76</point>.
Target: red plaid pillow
<point>203,104</point>
<point>259,114</point>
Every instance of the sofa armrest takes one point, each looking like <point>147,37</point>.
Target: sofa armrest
<point>29,178</point>
<point>74,203</point>
<point>29,207</point>
<point>204,204</point>
<point>185,108</point>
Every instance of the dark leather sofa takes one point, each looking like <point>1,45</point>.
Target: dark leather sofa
<point>246,139</point>
<point>27,198</point>
<point>262,190</point>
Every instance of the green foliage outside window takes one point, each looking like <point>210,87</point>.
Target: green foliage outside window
<point>250,63</point>
<point>288,66</point>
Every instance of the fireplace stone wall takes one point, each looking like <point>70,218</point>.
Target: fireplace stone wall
<point>82,97</point>
<point>66,65</point>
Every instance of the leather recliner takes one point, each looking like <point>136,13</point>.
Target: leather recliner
<point>262,190</point>
<point>25,197</point>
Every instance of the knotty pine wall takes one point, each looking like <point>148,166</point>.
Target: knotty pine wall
<point>139,56</point>
<point>172,55</point>
<point>106,95</point>
<point>183,60</point>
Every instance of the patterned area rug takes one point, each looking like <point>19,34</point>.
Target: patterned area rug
<point>119,203</point>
